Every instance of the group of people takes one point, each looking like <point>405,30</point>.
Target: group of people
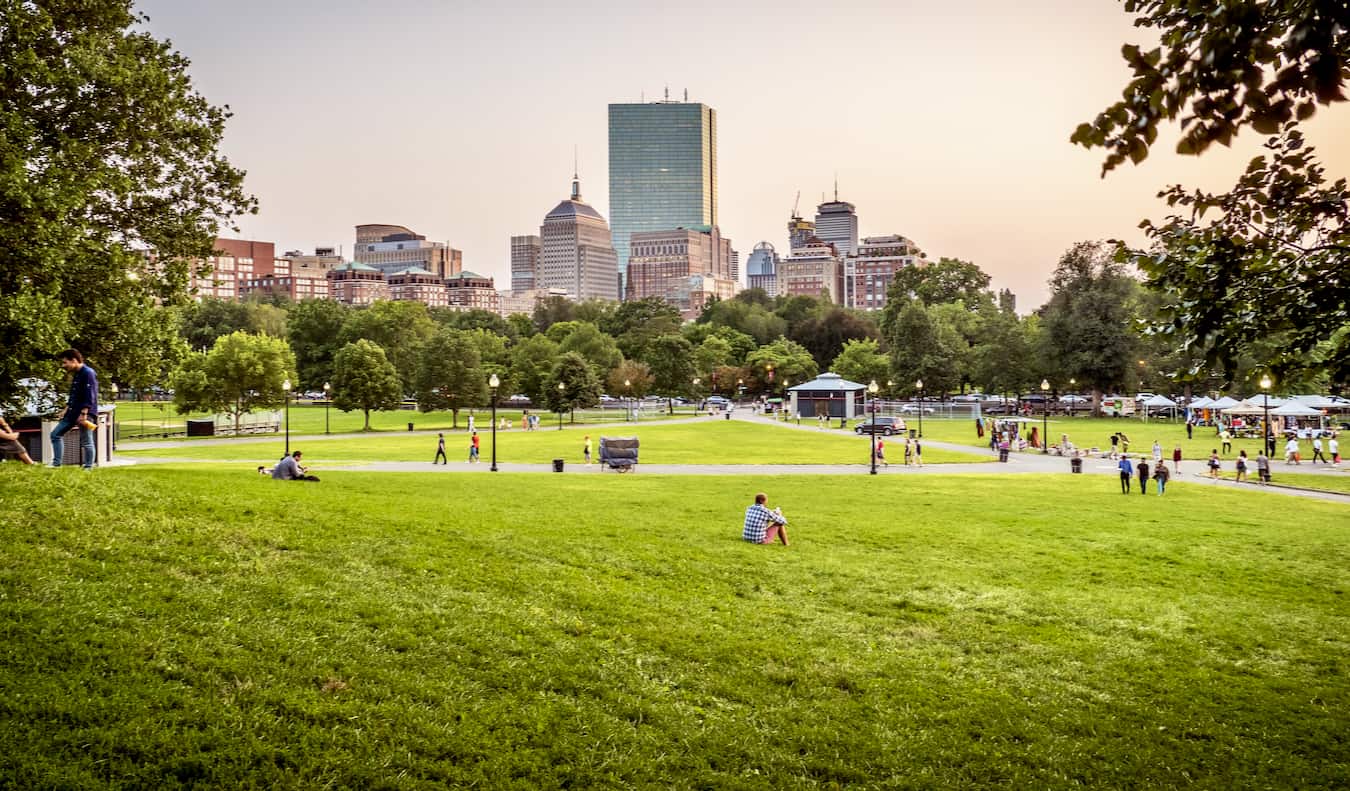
<point>1128,470</point>
<point>913,452</point>
<point>440,448</point>
<point>81,412</point>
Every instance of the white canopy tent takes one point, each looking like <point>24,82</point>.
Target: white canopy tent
<point>1157,402</point>
<point>1292,408</point>
<point>1223,403</point>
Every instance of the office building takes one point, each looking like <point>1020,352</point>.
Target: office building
<point>683,266</point>
<point>868,274</point>
<point>472,291</point>
<point>514,301</point>
<point>799,230</point>
<point>662,169</point>
<point>416,284</point>
<point>227,273</point>
<point>812,270</point>
<point>575,253</point>
<point>761,270</point>
<point>296,275</point>
<point>524,261</point>
<point>837,224</point>
<point>394,248</point>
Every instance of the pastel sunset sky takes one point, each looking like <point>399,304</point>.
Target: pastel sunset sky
<point>945,122</point>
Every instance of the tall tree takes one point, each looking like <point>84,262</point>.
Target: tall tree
<point>598,348</point>
<point>313,327</point>
<point>242,372</point>
<point>106,150</point>
<point>1222,66</point>
<point>825,333</point>
<point>364,379</point>
<point>670,359</point>
<point>1089,320</point>
<point>630,379</point>
<point>581,387</point>
<point>532,362</point>
<point>711,354</point>
<point>399,327</point>
<point>635,323</point>
<point>947,280</point>
<point>551,310</point>
<point>205,321</point>
<point>791,363</point>
<point>922,348</point>
<point>862,360</point>
<point>450,374</point>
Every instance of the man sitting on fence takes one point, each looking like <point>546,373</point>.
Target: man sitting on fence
<point>289,469</point>
<point>762,526</point>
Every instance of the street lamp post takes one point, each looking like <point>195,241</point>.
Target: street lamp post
<point>918,385</point>
<point>872,390</point>
<point>628,407</point>
<point>286,388</point>
<point>1073,388</point>
<point>494,383</point>
<point>694,392</point>
<point>114,425</point>
<point>1268,438</point>
<point>740,391</point>
<point>327,402</point>
<point>1045,415</point>
<point>561,388</point>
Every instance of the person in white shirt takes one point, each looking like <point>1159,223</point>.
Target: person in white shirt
<point>1291,451</point>
<point>1317,451</point>
<point>1334,448</point>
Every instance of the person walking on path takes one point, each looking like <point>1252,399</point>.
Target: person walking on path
<point>881,452</point>
<point>586,450</point>
<point>1161,475</point>
<point>1124,443</point>
<point>1334,448</point>
<point>1214,463</point>
<point>473,448</point>
<point>918,453</point>
<point>1143,476</point>
<point>1176,459</point>
<point>1157,453</point>
<point>1126,473</point>
<point>1190,428</point>
<point>1115,443</point>
<point>1226,438</point>
<point>1263,466</point>
<point>472,426</point>
<point>1241,467</point>
<point>1291,451</point>
<point>81,410</point>
<point>909,452</point>
<point>1317,451</point>
<point>440,450</point>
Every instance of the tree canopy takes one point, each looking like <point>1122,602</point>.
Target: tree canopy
<point>364,379</point>
<point>106,151</point>
<point>240,373</point>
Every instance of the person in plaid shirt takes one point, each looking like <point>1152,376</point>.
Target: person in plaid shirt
<point>762,526</point>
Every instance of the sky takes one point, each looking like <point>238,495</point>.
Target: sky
<point>947,123</point>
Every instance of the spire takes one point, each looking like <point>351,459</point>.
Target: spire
<point>576,180</point>
<point>836,186</point>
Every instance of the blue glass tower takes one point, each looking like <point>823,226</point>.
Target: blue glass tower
<point>662,170</point>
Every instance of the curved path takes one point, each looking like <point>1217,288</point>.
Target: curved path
<point>1018,463</point>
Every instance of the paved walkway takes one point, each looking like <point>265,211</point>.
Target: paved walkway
<point>1018,463</point>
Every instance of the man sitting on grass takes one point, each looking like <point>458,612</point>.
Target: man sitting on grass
<point>289,469</point>
<point>762,526</point>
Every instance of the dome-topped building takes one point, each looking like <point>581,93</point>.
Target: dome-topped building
<point>576,251</point>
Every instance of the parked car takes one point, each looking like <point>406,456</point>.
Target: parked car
<point>1034,398</point>
<point>913,409</point>
<point>999,408</point>
<point>716,401</point>
<point>879,425</point>
<point>969,398</point>
<point>1074,399</point>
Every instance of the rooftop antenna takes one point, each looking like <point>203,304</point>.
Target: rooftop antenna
<point>796,201</point>
<point>686,94</point>
<point>576,180</point>
<point>667,93</point>
<point>836,186</point>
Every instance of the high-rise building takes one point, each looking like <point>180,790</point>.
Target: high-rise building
<point>761,270</point>
<point>394,248</point>
<point>665,264</point>
<point>296,275</point>
<point>869,272</point>
<point>524,261</point>
<point>837,224</point>
<point>576,254</point>
<point>811,270</point>
<point>662,169</point>
<point>799,231</point>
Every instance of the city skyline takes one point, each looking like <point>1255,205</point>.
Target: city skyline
<point>948,125</point>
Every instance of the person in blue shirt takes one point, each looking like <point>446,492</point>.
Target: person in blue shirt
<point>81,409</point>
<point>1126,472</point>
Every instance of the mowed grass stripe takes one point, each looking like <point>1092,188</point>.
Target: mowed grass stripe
<point>161,628</point>
<point>701,442</point>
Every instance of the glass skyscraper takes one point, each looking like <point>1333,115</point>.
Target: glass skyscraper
<point>662,170</point>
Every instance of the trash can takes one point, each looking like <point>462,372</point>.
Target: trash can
<point>1075,465</point>
<point>913,433</point>
<point>201,428</point>
<point>728,414</point>
<point>410,427</point>
<point>557,465</point>
<point>1003,454</point>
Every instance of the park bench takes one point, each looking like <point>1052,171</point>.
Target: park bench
<point>619,453</point>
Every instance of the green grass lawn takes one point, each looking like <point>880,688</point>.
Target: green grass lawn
<point>151,419</point>
<point>164,628</point>
<point>1327,482</point>
<point>707,441</point>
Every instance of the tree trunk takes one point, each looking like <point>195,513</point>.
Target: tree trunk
<point>367,412</point>
<point>454,418</point>
<point>670,404</point>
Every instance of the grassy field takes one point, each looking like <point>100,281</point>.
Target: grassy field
<point>152,419</point>
<point>161,630</point>
<point>706,441</point>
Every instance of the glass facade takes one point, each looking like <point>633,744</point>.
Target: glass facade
<point>662,169</point>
